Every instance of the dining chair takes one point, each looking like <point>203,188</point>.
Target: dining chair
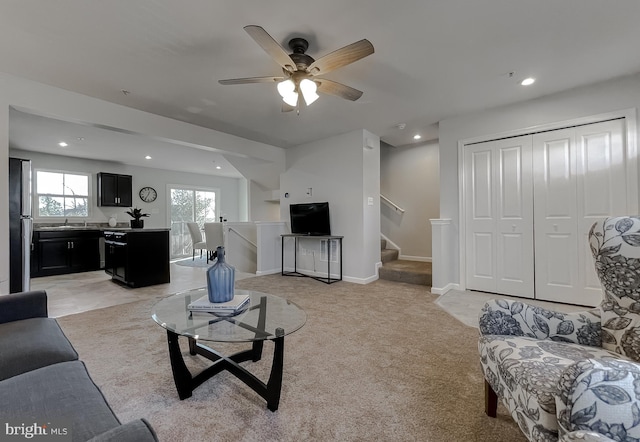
<point>196,240</point>
<point>214,237</point>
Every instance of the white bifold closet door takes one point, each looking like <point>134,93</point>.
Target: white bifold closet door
<point>530,202</point>
<point>499,217</point>
<point>580,176</point>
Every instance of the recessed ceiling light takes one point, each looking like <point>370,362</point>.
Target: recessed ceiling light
<point>417,136</point>
<point>218,167</point>
<point>147,157</point>
<point>528,81</point>
<point>62,144</point>
<point>194,109</point>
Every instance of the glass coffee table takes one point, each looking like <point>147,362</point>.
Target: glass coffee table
<point>267,318</point>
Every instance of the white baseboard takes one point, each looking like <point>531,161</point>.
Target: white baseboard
<point>312,273</point>
<point>267,272</point>
<point>360,280</point>
<point>367,280</point>
<point>445,289</point>
<point>415,258</point>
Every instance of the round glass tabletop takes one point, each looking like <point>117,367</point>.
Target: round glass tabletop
<point>257,322</point>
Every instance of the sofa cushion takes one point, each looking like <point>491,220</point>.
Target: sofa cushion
<point>59,392</point>
<point>524,372</point>
<point>23,305</point>
<point>29,344</point>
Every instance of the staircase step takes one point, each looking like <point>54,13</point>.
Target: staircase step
<point>387,255</point>
<point>383,244</point>
<point>411,272</point>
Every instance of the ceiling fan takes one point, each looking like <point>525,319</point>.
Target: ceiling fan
<point>300,70</point>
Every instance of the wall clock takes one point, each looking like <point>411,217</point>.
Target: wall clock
<point>148,194</point>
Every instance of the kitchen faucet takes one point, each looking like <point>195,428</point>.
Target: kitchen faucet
<point>66,220</point>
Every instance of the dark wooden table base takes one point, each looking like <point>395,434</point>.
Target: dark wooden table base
<point>186,382</point>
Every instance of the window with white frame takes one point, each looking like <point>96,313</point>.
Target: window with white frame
<point>62,194</point>
<point>190,205</point>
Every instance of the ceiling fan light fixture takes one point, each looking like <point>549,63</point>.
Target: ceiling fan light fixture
<point>308,89</point>
<point>287,90</point>
<point>291,99</point>
<point>300,69</point>
<point>310,98</point>
<point>286,87</point>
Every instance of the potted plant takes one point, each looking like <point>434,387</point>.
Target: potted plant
<point>136,214</point>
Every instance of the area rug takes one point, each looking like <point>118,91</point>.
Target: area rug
<point>197,262</point>
<point>373,362</point>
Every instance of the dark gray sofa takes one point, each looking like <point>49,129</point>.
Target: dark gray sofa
<point>42,380</point>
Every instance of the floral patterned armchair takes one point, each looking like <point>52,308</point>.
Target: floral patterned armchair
<point>572,376</point>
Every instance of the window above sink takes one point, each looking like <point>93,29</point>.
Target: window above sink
<point>62,194</point>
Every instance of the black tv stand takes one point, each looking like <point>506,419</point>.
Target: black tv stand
<point>328,279</point>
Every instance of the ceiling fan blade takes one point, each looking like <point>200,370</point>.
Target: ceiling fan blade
<point>338,89</point>
<point>251,80</point>
<point>341,57</point>
<point>271,47</point>
<point>287,108</point>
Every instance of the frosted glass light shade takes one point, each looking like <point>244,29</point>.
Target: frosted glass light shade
<point>287,90</point>
<point>286,87</point>
<point>308,89</point>
<point>291,99</point>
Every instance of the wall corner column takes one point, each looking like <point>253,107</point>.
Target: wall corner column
<point>442,255</point>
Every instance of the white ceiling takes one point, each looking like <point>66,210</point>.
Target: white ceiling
<point>42,134</point>
<point>433,59</point>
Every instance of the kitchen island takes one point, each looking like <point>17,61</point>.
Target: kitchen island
<point>137,257</point>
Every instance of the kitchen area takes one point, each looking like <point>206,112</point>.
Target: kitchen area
<point>135,257</point>
<point>73,233</point>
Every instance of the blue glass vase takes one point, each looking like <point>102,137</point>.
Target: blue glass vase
<point>220,279</point>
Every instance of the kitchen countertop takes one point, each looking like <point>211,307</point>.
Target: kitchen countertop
<point>129,229</point>
<point>101,228</point>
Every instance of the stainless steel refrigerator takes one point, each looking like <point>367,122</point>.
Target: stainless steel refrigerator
<point>20,224</point>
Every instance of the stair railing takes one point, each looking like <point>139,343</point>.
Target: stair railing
<point>231,229</point>
<point>391,203</point>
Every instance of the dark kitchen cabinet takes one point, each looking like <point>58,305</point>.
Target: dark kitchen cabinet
<point>57,253</point>
<point>137,258</point>
<point>115,190</point>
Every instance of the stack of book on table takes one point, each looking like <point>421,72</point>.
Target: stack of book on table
<point>203,306</point>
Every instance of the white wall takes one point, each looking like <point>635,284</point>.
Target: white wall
<point>262,207</point>
<point>41,99</point>
<point>142,176</point>
<point>369,259</point>
<point>343,172</point>
<point>613,95</point>
<point>409,176</point>
<point>269,256</point>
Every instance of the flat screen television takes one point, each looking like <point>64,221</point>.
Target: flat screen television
<point>310,218</point>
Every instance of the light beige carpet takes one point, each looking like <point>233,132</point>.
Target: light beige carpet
<point>373,362</point>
